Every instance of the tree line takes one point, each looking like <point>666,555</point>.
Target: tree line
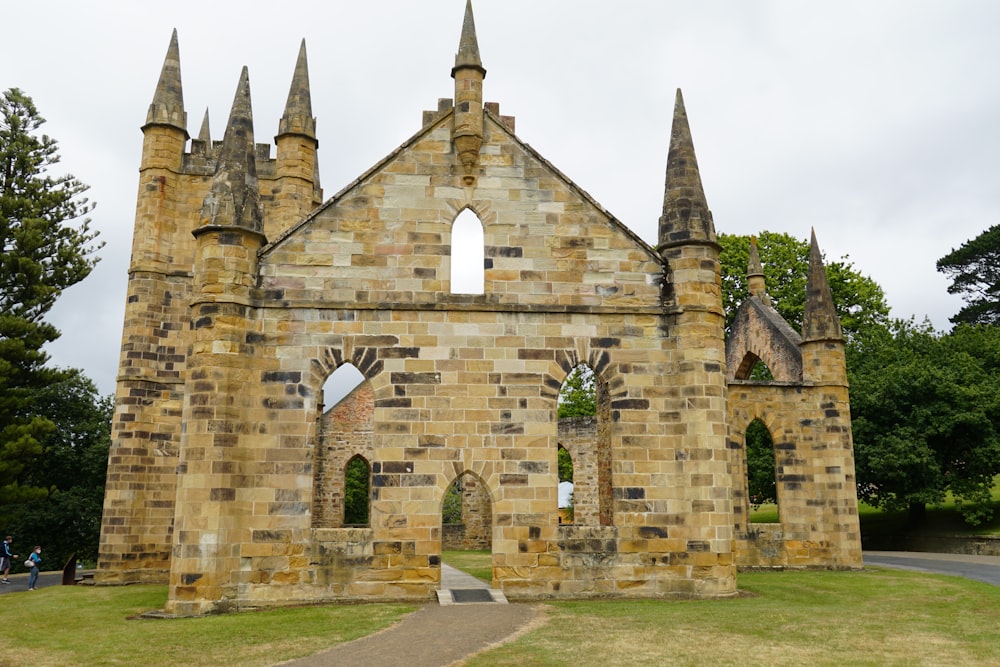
<point>925,404</point>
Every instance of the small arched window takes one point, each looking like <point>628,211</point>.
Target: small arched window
<point>357,487</point>
<point>467,254</point>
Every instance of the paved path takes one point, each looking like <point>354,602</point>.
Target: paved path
<point>19,582</point>
<point>435,635</point>
<point>980,568</point>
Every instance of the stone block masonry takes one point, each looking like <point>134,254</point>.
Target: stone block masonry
<point>227,471</point>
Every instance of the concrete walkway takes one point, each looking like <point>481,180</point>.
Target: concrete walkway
<point>457,587</point>
<point>436,635</point>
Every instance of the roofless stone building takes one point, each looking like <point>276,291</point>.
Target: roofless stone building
<point>247,290</point>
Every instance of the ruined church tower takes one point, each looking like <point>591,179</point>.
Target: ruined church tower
<point>168,247</point>
<point>247,291</point>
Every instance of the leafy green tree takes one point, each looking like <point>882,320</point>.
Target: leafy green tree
<point>42,252</point>
<point>451,512</point>
<point>860,300</point>
<point>356,491</point>
<point>974,270</point>
<point>62,489</point>
<point>760,464</point>
<point>565,463</point>
<point>926,417</point>
<point>578,395</point>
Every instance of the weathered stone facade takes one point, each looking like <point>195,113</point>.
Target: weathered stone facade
<point>807,410</point>
<point>246,292</point>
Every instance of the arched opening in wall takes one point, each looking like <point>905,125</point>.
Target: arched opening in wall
<point>344,432</point>
<point>341,382</point>
<point>466,517</point>
<point>357,492</point>
<point>760,372</point>
<point>565,462</point>
<point>467,254</point>
<point>761,482</point>
<point>754,369</point>
<point>584,411</point>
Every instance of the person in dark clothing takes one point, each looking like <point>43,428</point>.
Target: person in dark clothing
<point>5,558</point>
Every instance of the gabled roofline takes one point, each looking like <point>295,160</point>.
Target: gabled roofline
<point>353,184</point>
<point>576,188</point>
<point>653,254</point>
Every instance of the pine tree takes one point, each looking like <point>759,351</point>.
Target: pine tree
<point>46,245</point>
<point>975,273</point>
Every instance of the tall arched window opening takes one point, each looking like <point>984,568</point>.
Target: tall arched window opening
<point>761,481</point>
<point>584,433</point>
<point>467,254</point>
<point>344,443</point>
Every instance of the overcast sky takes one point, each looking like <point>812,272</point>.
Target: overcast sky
<point>875,122</point>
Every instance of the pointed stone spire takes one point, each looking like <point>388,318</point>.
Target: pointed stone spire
<point>468,72</point>
<point>234,198</point>
<point>298,118</point>
<point>755,274</point>
<point>686,217</point>
<point>468,45</point>
<point>819,320</point>
<point>168,99</point>
<point>204,134</point>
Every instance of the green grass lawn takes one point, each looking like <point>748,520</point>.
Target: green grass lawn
<point>476,563</point>
<point>88,625</point>
<point>875,617</point>
<point>944,519</point>
<point>793,618</point>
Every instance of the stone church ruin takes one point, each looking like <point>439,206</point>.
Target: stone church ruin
<point>247,291</point>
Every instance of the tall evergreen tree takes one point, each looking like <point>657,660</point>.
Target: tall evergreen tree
<point>46,245</point>
<point>974,270</point>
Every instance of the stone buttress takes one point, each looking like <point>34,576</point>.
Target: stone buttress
<point>694,413</point>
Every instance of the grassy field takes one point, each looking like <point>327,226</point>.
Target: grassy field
<point>876,617</point>
<point>87,625</point>
<point>476,563</point>
<point>941,519</point>
<point>790,618</point>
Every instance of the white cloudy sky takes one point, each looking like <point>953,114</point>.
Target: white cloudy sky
<point>877,122</point>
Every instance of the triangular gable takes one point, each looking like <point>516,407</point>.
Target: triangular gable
<point>511,136</point>
<point>583,194</point>
<point>759,332</point>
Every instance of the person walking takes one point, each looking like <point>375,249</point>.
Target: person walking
<point>34,559</point>
<point>6,557</point>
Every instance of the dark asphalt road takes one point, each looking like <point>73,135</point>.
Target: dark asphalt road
<point>19,582</point>
<point>979,568</point>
